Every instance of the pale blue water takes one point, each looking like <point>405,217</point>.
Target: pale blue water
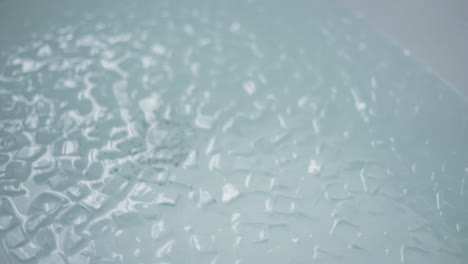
<point>222,132</point>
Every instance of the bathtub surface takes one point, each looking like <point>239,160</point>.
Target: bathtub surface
<point>222,132</point>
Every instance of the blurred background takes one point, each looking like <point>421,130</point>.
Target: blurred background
<point>434,31</point>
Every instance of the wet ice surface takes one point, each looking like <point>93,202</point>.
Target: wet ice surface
<point>152,132</point>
